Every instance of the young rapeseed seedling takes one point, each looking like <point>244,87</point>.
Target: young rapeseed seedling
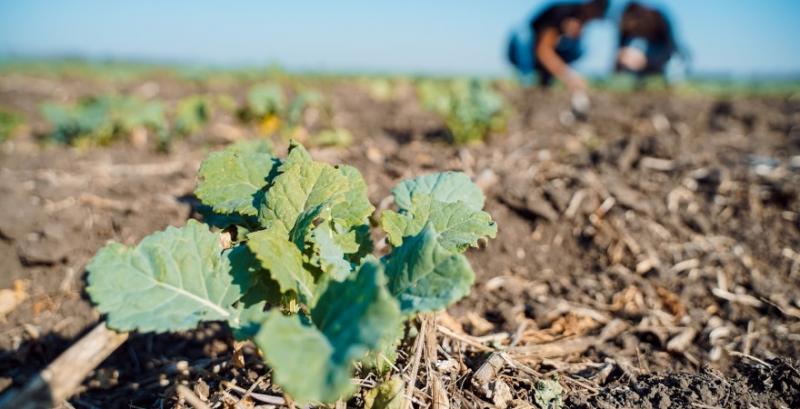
<point>298,278</point>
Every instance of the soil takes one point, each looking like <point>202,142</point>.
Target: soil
<point>674,219</point>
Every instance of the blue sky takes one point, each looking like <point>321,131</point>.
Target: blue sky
<point>741,37</point>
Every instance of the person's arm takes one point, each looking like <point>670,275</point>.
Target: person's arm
<point>546,54</point>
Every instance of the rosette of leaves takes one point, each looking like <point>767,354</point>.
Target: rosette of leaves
<point>265,100</point>
<point>191,115</point>
<point>296,276</point>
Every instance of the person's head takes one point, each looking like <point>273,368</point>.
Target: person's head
<point>591,10</point>
<point>642,21</point>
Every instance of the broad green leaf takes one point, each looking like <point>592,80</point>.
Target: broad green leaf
<point>355,208</point>
<point>409,221</point>
<point>395,225</point>
<point>424,276</point>
<point>331,256</point>
<point>447,187</point>
<point>170,281</point>
<point>458,226</point>
<point>301,359</point>
<point>283,260</point>
<point>303,185</point>
<point>357,313</point>
<point>388,395</point>
<point>231,181</point>
<point>314,363</point>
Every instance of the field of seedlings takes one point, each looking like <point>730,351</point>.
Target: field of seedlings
<point>257,239</point>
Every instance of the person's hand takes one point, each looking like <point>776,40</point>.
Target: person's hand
<point>632,59</point>
<point>580,103</point>
<point>574,82</point>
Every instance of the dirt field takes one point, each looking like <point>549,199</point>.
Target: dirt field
<point>650,257</point>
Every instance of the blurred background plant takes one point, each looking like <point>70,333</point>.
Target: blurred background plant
<point>470,109</point>
<point>98,121</point>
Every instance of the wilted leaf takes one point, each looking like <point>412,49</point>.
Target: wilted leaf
<point>171,281</point>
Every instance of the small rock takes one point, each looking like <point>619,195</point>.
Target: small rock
<point>661,123</point>
<point>794,163</point>
<point>486,179</point>
<point>375,156</point>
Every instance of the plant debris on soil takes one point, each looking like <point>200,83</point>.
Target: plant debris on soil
<point>648,257</point>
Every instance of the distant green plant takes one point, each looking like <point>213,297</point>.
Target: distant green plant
<point>304,116</point>
<point>9,123</point>
<point>293,270</point>
<point>264,100</point>
<point>191,114</point>
<point>471,110</point>
<point>101,120</point>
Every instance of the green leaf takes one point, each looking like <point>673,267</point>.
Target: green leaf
<point>355,208</point>
<point>304,223</point>
<point>409,221</point>
<point>447,187</point>
<point>231,181</point>
<point>170,281</point>
<point>300,357</point>
<point>424,276</point>
<point>331,256</point>
<point>303,185</point>
<point>388,395</point>
<point>259,292</point>
<point>458,226</point>
<point>381,359</point>
<point>283,260</point>
<point>356,243</point>
<point>314,363</point>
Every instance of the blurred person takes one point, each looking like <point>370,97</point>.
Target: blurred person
<point>552,41</point>
<point>646,41</point>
